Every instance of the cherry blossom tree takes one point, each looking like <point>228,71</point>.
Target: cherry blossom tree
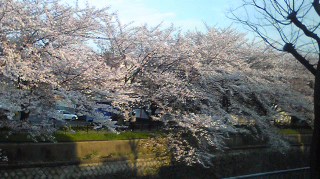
<point>189,74</point>
<point>45,56</point>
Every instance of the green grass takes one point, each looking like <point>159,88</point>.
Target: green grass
<point>79,136</point>
<point>295,131</point>
<point>101,136</point>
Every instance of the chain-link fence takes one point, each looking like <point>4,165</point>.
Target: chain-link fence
<point>139,168</point>
<point>117,169</point>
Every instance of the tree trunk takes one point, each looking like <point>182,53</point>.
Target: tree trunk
<point>315,144</point>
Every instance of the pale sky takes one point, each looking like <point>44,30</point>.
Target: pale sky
<point>187,14</point>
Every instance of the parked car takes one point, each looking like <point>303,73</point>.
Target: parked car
<point>108,112</point>
<point>140,114</point>
<point>67,115</point>
<point>89,119</point>
<point>85,118</point>
<point>56,123</point>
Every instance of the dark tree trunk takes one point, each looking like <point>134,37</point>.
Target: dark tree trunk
<point>24,115</point>
<point>315,145</point>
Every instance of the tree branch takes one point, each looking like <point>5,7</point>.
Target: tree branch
<point>288,47</point>
<point>300,25</point>
<point>316,6</point>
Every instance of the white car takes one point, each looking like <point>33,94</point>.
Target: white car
<point>67,115</point>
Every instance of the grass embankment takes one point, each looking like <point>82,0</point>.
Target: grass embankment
<point>61,136</point>
<point>91,135</point>
<point>99,136</point>
<point>295,131</point>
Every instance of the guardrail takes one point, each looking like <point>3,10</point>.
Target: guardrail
<point>297,173</point>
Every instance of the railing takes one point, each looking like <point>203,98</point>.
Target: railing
<point>297,173</point>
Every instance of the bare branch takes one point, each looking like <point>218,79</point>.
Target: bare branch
<point>300,25</point>
<point>316,6</point>
<point>290,49</point>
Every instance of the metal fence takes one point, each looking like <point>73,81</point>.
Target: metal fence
<point>146,168</point>
<point>118,169</point>
<point>297,173</point>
